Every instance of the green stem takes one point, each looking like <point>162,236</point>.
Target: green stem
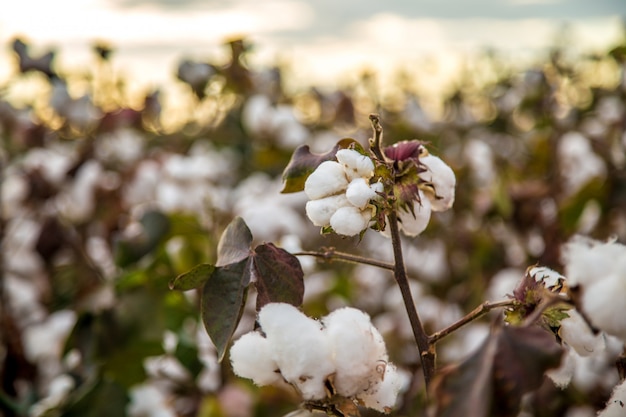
<point>426,349</point>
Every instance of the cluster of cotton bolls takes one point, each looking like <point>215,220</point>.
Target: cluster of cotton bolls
<point>342,354</point>
<point>340,193</point>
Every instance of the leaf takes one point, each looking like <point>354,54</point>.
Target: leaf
<point>510,363</point>
<point>102,399</point>
<point>279,276</point>
<point>303,162</point>
<point>193,278</point>
<point>223,300</point>
<point>234,245</point>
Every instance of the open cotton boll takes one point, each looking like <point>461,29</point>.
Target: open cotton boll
<point>328,178</point>
<point>577,334</point>
<point>605,305</point>
<point>441,176</point>
<point>350,221</point>
<point>320,211</point>
<point>355,164</point>
<point>412,224</point>
<point>383,395</point>
<point>616,406</point>
<point>299,347</point>
<point>359,192</point>
<point>358,350</point>
<point>587,260</point>
<point>251,358</point>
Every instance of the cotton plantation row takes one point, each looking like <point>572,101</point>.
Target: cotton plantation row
<point>107,197</point>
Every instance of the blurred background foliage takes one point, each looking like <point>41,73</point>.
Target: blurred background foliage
<point>106,196</point>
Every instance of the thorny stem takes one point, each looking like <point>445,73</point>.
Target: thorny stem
<point>329,254</point>
<point>426,349</point>
<point>471,316</point>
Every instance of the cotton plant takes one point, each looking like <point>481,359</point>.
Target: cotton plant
<point>339,363</point>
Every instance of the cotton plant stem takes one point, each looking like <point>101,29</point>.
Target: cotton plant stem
<point>376,142</point>
<point>426,349</point>
<point>329,254</point>
<point>471,316</point>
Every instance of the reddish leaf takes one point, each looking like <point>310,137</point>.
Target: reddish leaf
<point>234,245</point>
<point>192,279</point>
<point>510,363</point>
<point>303,162</point>
<point>279,276</point>
<point>223,300</point>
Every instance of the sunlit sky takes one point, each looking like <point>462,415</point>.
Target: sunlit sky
<point>321,40</point>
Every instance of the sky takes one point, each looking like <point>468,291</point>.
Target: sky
<point>322,40</point>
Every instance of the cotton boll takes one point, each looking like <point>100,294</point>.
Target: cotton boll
<point>358,349</point>
<point>441,176</point>
<point>328,179</point>
<point>383,395</point>
<point>562,376</point>
<point>299,347</point>
<point>359,192</point>
<point>587,260</point>
<point>355,164</point>
<point>320,211</point>
<point>616,406</point>
<point>412,224</point>
<point>251,358</point>
<point>605,305</point>
<point>350,221</point>
<point>577,334</point>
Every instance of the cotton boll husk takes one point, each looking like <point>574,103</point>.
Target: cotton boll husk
<point>320,211</point>
<point>350,221</point>
<point>383,395</point>
<point>299,347</point>
<point>414,225</point>
<point>359,193</point>
<point>616,406</point>
<point>577,334</point>
<point>251,358</point>
<point>443,179</point>
<point>328,178</point>
<point>355,164</point>
<point>605,305</point>
<point>357,347</point>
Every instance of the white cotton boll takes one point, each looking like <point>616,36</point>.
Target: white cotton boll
<point>358,350</point>
<point>256,115</point>
<point>350,221</point>
<point>148,400</point>
<point>576,333</point>
<point>616,406</point>
<point>383,395</point>
<point>355,164</point>
<point>549,276</point>
<point>562,376</point>
<point>441,176</point>
<point>327,179</point>
<point>605,305</point>
<point>320,211</point>
<point>412,224</point>
<point>587,260</point>
<point>359,192</point>
<point>579,163</point>
<point>251,358</point>
<point>299,347</point>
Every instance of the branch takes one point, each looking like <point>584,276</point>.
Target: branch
<point>376,142</point>
<point>426,349</point>
<point>471,316</point>
<point>330,254</point>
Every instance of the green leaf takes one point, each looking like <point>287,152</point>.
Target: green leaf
<point>103,399</point>
<point>234,245</point>
<point>223,300</point>
<point>303,162</point>
<point>491,382</point>
<point>192,279</point>
<point>279,276</point>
